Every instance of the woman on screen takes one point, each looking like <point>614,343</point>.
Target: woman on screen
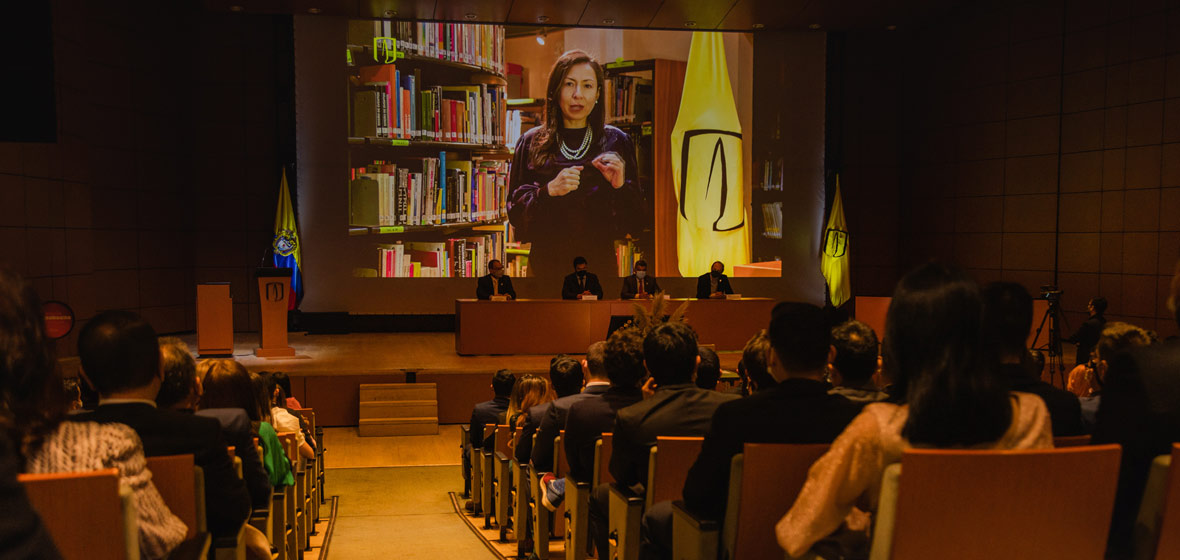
<point>573,188</point>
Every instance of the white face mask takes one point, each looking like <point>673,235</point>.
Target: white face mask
<point>640,273</point>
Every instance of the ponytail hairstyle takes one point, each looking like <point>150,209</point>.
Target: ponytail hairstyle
<point>545,144</point>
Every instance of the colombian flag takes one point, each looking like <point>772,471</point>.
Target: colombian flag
<point>834,261</point>
<point>286,242</point>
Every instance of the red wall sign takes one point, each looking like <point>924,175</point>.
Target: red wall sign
<point>59,319</point>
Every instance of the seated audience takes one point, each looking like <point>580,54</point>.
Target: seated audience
<point>33,408</point>
<point>487,412</point>
<point>708,370</point>
<point>1140,410</point>
<point>181,389</point>
<point>566,378</point>
<point>1116,338</point>
<point>284,381</point>
<point>753,367</point>
<point>1007,320</point>
<point>857,358</point>
<point>955,397</point>
<point>678,408</point>
<point>284,420</point>
<point>799,409</point>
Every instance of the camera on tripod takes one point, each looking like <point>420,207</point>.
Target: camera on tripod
<point>1051,293</point>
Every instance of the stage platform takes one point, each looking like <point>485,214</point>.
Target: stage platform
<point>327,370</point>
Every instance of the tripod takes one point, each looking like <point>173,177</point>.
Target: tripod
<point>1052,348</point>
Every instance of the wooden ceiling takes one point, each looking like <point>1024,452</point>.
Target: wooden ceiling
<point>720,15</point>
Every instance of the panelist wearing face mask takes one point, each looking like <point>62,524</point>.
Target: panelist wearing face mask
<point>494,283</point>
<point>580,283</point>
<point>715,284</point>
<point>639,285</point>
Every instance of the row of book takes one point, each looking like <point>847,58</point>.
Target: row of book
<point>626,255</point>
<point>629,99</point>
<point>772,174</point>
<point>772,220</point>
<point>517,265</point>
<point>469,43</point>
<point>392,103</point>
<point>424,191</point>
<point>459,257</point>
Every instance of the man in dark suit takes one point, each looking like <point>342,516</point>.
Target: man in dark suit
<point>494,283</point>
<point>581,282</point>
<point>799,409</point>
<point>622,360</point>
<point>565,375</point>
<point>715,284</point>
<point>677,408</point>
<point>1007,320</point>
<point>1140,410</point>
<point>639,285</point>
<point>1087,334</point>
<point>487,412</point>
<point>121,358</point>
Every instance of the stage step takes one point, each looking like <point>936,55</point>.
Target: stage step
<point>370,392</point>
<point>418,426</point>
<point>399,409</point>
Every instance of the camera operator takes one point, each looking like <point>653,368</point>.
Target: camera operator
<point>1086,336</point>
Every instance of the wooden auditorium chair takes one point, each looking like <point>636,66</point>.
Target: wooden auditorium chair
<point>182,486</point>
<point>577,500</point>
<point>464,448</point>
<point>487,459</point>
<point>1046,504</point>
<point>285,521</point>
<point>1157,527</point>
<point>1071,441</point>
<point>313,467</point>
<point>75,507</point>
<point>521,504</point>
<point>543,525</point>
<point>475,455</point>
<point>260,518</point>
<point>763,482</point>
<point>671,457</point>
<point>503,479</point>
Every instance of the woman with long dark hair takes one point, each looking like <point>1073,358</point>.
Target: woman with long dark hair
<point>954,396</point>
<point>574,186</point>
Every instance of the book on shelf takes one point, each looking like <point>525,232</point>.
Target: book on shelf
<point>628,99</point>
<point>626,255</point>
<point>395,103</point>
<point>469,43</point>
<point>458,257</point>
<point>424,191</point>
<point>772,220</point>
<point>772,174</point>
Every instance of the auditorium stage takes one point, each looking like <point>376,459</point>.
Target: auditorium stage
<point>328,369</point>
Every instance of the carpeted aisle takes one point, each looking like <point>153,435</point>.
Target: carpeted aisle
<point>400,512</point>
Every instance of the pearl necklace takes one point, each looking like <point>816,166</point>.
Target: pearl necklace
<point>573,155</point>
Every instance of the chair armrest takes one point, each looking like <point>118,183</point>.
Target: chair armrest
<point>195,548</point>
<point>625,514</point>
<point>693,538</point>
<point>1145,535</point>
<point>886,515</point>
<point>501,457</point>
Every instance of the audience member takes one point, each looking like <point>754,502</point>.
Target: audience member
<point>1117,338</point>
<point>678,408</point>
<point>742,387</point>
<point>181,389</point>
<point>566,378</point>
<point>73,391</point>
<point>1087,335</point>
<point>756,363</point>
<point>487,412</point>
<point>1140,410</point>
<point>284,381</point>
<point>284,420</point>
<point>1007,320</point>
<point>799,409</point>
<point>121,358</point>
<point>955,397</point>
<point>856,359</point>
<point>708,370</point>
<point>33,406</point>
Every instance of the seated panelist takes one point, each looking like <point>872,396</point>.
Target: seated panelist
<point>715,284</point>
<point>494,283</point>
<point>581,282</point>
<point>639,285</point>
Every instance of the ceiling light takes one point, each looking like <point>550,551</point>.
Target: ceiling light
<point>891,27</point>
<point>814,26</point>
<point>541,37</point>
<point>542,19</point>
<point>758,25</point>
<point>470,16</point>
<point>390,13</point>
<point>608,21</point>
<point>235,8</point>
<point>314,10</point>
<point>690,24</point>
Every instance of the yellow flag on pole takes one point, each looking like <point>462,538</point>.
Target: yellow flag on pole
<point>711,220</point>
<point>834,261</point>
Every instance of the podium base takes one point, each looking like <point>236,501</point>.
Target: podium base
<point>287,352</point>
<point>215,352</point>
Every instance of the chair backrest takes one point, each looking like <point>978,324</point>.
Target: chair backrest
<point>602,451</point>
<point>503,434</point>
<point>764,480</point>
<point>1001,504</point>
<point>1071,441</point>
<point>77,506</point>
<point>1168,546</point>
<point>291,446</point>
<point>174,477</point>
<point>670,460</point>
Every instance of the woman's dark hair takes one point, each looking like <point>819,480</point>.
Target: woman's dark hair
<point>545,142</point>
<point>285,382</point>
<point>934,353</point>
<point>227,384</point>
<point>32,399</point>
<point>272,383</point>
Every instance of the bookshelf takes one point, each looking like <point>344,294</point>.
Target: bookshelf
<point>427,147</point>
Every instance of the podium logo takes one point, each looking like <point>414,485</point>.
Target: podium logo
<point>710,161</point>
<point>275,291</point>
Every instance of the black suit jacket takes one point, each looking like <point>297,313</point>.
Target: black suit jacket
<point>554,421</point>
<point>483,288</point>
<point>675,410</point>
<point>703,284</point>
<point>631,286</point>
<point>1064,408</point>
<point>1087,337</point>
<point>585,423</point>
<point>794,411</point>
<point>239,432</point>
<point>487,412</point>
<point>570,288</point>
<point>1140,410</point>
<point>22,534</point>
<point>167,432</point>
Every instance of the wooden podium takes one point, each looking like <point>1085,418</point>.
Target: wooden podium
<point>215,319</point>
<point>274,290</point>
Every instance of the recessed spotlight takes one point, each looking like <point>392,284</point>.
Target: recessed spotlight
<point>542,19</point>
<point>470,16</point>
<point>390,13</point>
<point>235,8</point>
<point>541,36</point>
<point>314,10</point>
<point>758,25</point>
<point>690,24</point>
<point>814,26</point>
<point>608,21</point>
<point>891,27</point>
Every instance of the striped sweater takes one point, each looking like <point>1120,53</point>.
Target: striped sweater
<point>88,446</point>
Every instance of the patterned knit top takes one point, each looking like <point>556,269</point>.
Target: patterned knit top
<point>88,446</point>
